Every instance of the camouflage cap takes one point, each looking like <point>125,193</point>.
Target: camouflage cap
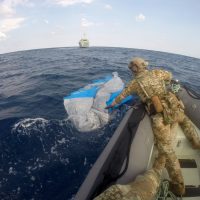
<point>138,62</point>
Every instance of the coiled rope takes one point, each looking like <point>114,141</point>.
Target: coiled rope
<point>164,193</point>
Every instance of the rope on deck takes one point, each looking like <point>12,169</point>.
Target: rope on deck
<point>164,193</point>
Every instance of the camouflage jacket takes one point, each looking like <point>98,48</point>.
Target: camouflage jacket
<point>146,85</point>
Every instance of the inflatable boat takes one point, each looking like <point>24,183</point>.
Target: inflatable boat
<point>131,152</point>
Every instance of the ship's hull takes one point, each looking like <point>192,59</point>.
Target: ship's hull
<point>83,43</point>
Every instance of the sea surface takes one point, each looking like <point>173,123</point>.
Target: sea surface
<point>42,156</point>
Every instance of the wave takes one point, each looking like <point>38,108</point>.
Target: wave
<point>26,126</point>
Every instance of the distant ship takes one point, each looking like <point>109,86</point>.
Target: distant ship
<point>84,43</point>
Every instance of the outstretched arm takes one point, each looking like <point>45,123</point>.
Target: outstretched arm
<point>128,90</point>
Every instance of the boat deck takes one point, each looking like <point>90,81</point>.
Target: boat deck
<point>190,164</point>
<point>189,158</point>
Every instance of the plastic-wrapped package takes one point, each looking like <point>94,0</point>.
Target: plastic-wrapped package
<point>115,84</point>
<point>86,107</point>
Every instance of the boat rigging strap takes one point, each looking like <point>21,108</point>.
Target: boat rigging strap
<point>130,127</point>
<point>164,193</point>
<point>192,93</point>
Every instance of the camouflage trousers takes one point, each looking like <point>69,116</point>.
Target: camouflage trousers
<point>174,113</point>
<point>163,137</point>
<point>144,187</point>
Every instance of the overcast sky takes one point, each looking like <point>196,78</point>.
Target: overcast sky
<point>162,25</point>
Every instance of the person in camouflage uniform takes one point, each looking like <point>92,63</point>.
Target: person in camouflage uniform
<point>150,86</point>
<point>144,187</point>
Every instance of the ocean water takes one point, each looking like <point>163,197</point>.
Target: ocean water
<point>42,156</point>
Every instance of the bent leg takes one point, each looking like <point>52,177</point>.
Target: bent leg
<point>163,138</point>
<point>190,132</point>
<point>144,187</point>
<point>175,174</point>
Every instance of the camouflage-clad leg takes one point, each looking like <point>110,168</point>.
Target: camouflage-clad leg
<point>163,138</point>
<point>175,174</point>
<point>162,134</point>
<point>190,132</point>
<point>147,186</point>
<point>174,110</point>
<point>144,187</point>
<point>117,192</point>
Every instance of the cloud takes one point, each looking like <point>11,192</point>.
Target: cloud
<point>140,18</point>
<point>6,10</point>
<point>108,7</point>
<point>9,19</point>
<point>9,24</point>
<point>71,2</point>
<point>17,2</point>
<point>7,7</point>
<point>86,23</point>
<point>2,36</point>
